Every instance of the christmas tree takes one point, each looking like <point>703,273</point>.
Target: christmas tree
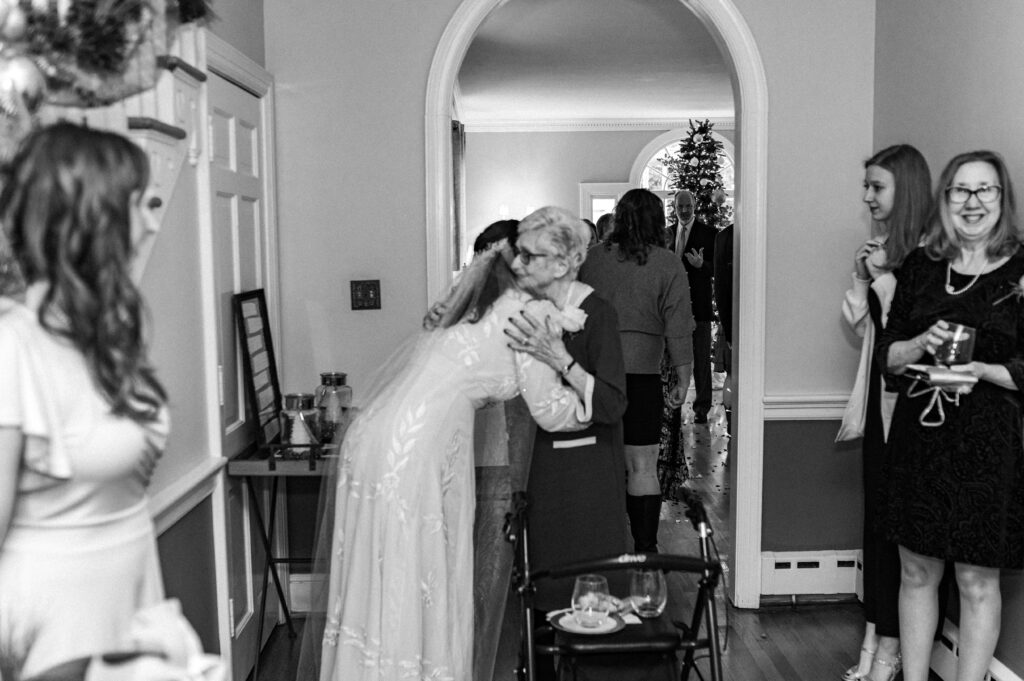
<point>696,167</point>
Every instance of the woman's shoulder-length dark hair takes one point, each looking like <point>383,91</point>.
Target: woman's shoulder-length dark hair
<point>942,242</point>
<point>639,224</point>
<point>912,200</point>
<point>66,205</point>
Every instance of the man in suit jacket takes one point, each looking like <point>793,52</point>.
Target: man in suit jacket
<point>694,242</point>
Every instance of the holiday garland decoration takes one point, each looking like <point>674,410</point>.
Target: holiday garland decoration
<point>697,169</point>
<point>84,53</point>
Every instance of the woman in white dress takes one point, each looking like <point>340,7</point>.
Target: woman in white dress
<point>400,601</point>
<point>82,416</point>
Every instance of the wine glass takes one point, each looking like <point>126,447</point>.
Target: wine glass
<point>590,601</point>
<point>648,591</point>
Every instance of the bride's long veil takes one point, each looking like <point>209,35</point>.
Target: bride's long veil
<point>390,379</point>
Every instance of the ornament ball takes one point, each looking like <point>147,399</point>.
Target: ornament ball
<point>23,76</point>
<point>15,24</point>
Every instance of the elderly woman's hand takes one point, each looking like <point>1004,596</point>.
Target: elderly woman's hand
<point>539,339</point>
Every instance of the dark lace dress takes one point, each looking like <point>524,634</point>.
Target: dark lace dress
<point>955,491</point>
<point>673,470</point>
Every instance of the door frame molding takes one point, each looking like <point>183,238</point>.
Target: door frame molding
<point>735,40</point>
<point>219,57</point>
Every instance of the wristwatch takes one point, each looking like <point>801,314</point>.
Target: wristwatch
<point>568,367</point>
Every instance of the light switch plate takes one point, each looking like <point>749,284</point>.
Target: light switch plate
<point>366,294</point>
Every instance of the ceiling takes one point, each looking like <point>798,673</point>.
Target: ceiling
<point>546,61</point>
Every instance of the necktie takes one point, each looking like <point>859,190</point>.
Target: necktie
<point>681,239</point>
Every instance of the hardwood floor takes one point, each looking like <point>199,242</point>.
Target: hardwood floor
<point>789,643</point>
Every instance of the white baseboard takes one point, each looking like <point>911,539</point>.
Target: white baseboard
<point>945,655</point>
<point>301,588</point>
<point>794,573</point>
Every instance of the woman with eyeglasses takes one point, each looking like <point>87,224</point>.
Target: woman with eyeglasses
<point>954,472</point>
<point>576,491</point>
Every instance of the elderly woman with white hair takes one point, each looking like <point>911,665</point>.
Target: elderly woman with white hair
<point>576,491</point>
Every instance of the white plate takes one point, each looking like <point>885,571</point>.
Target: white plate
<point>567,622</point>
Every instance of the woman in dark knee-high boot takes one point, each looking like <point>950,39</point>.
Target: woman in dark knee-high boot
<point>647,285</point>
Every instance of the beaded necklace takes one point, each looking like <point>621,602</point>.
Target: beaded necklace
<point>949,287</point>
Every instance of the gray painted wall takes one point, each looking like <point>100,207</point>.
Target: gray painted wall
<point>534,169</point>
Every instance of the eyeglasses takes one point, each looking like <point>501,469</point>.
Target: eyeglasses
<point>527,256</point>
<point>986,194</point>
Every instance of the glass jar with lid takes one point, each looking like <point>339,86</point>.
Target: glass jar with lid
<point>333,399</point>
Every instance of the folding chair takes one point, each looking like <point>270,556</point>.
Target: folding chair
<point>659,638</point>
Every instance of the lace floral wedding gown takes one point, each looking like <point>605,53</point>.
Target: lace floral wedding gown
<point>400,602</point>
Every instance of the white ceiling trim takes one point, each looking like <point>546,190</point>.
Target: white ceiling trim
<point>594,124</point>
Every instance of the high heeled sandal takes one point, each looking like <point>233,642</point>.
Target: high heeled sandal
<point>894,666</point>
<point>854,673</point>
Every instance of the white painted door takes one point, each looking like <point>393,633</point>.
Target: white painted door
<point>239,238</point>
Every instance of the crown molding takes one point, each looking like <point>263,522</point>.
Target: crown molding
<point>593,124</point>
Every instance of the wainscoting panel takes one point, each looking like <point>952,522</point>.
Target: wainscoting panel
<point>812,488</point>
<point>187,561</point>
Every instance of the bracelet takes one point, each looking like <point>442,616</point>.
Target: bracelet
<point>862,279</point>
<point>568,368</point>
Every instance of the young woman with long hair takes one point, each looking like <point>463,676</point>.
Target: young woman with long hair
<point>82,414</point>
<point>897,191</point>
<point>647,285</point>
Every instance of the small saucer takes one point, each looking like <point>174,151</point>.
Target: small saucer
<point>568,623</point>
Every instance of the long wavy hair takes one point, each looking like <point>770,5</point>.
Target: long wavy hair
<point>66,206</point>
<point>639,224</point>
<point>942,242</point>
<point>912,200</point>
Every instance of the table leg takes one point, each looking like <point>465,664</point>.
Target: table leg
<point>266,532</point>
<point>267,537</point>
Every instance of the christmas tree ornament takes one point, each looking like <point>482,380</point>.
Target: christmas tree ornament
<point>15,24</point>
<point>20,74</point>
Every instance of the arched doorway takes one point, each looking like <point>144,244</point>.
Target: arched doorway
<point>724,22</point>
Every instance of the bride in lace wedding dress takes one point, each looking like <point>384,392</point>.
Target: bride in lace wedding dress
<point>400,601</point>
